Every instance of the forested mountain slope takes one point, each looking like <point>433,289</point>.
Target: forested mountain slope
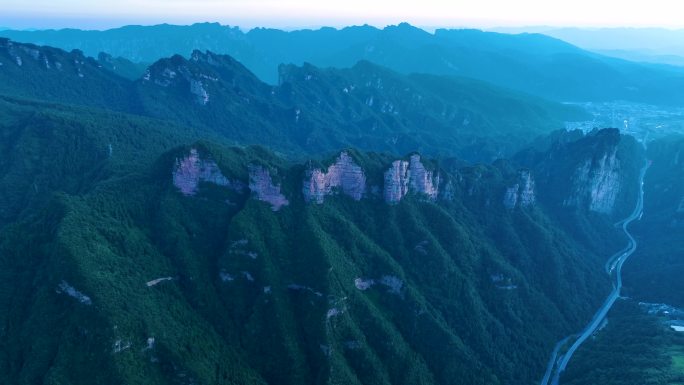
<point>312,111</point>
<point>163,259</point>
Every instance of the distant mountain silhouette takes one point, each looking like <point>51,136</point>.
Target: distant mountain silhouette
<point>532,63</point>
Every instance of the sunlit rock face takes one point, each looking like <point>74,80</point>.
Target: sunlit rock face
<point>344,175</point>
<point>396,181</point>
<point>261,184</point>
<point>522,193</point>
<point>189,171</point>
<point>596,183</point>
<point>404,176</point>
<point>421,180</point>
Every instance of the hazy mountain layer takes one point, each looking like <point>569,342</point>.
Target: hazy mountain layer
<point>532,63</point>
<point>312,111</point>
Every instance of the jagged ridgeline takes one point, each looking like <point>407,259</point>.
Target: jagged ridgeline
<point>528,62</point>
<point>201,263</point>
<point>311,110</point>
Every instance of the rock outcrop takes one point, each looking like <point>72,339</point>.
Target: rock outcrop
<point>521,194</point>
<point>596,184</point>
<point>65,288</point>
<point>396,181</point>
<point>344,175</point>
<point>261,184</point>
<point>197,89</point>
<point>393,283</point>
<point>16,50</point>
<point>422,181</point>
<point>189,171</point>
<point>205,57</point>
<point>178,73</point>
<point>157,281</point>
<point>404,176</point>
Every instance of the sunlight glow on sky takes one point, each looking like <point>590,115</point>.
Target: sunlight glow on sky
<point>99,14</point>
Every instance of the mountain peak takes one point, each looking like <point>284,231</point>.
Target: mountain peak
<point>407,30</point>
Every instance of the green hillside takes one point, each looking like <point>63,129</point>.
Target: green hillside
<point>110,272</point>
<point>196,225</point>
<point>654,274</point>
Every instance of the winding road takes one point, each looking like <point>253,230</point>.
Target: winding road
<point>613,268</point>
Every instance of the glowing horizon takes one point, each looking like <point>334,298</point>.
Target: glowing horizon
<point>337,13</point>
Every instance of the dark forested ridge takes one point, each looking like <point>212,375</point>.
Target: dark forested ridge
<point>654,274</point>
<point>312,111</point>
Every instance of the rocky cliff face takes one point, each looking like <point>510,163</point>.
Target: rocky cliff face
<point>396,181</point>
<point>597,183</point>
<point>404,176</point>
<point>261,184</point>
<point>205,57</point>
<point>189,171</point>
<point>344,175</point>
<point>198,90</point>
<point>522,193</point>
<point>593,172</point>
<point>422,181</point>
<point>175,72</point>
<point>45,57</point>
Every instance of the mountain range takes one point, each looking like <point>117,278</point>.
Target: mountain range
<point>361,219</point>
<point>646,45</point>
<point>311,111</point>
<point>532,63</point>
<point>200,263</point>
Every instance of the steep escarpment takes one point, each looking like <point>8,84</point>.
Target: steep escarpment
<point>588,181</point>
<point>597,183</point>
<point>594,173</point>
<point>262,185</point>
<point>343,175</point>
<point>522,193</point>
<point>216,266</point>
<point>405,176</point>
<point>192,169</point>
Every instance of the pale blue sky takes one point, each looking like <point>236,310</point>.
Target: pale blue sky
<point>312,13</point>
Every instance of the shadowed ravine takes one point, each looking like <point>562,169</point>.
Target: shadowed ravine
<point>613,267</point>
